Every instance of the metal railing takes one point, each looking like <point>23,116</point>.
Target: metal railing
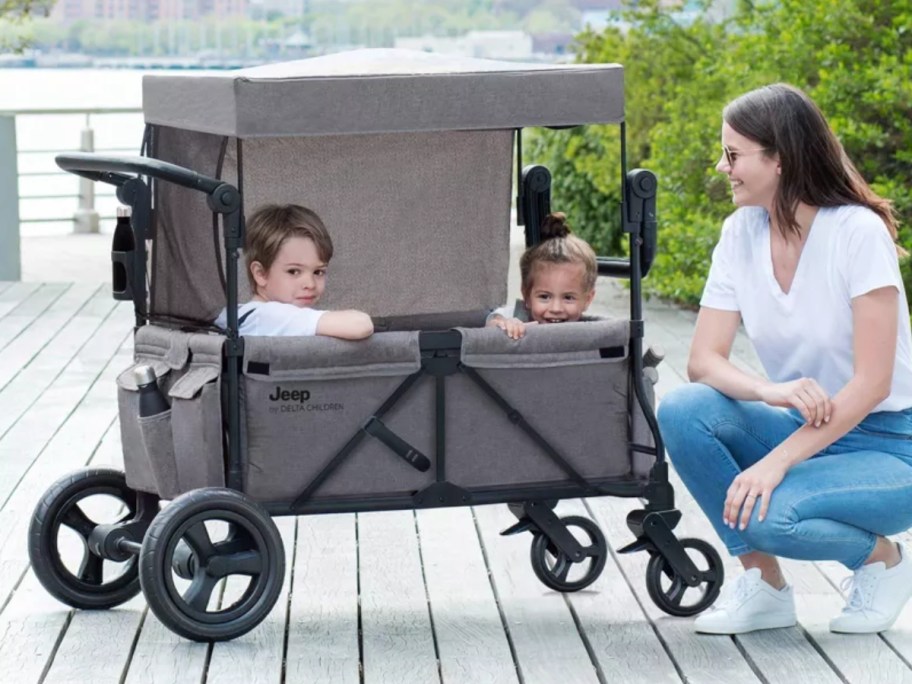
<point>85,217</point>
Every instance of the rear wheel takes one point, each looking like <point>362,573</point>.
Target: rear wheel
<point>198,540</point>
<point>58,542</point>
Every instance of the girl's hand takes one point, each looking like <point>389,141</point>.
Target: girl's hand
<point>514,327</point>
<point>757,482</point>
<point>803,394</point>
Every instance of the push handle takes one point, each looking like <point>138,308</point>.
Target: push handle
<point>222,197</point>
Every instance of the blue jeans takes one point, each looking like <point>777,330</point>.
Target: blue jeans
<point>829,507</point>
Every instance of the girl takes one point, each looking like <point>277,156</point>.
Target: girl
<point>287,250</point>
<point>814,463</point>
<point>558,280</point>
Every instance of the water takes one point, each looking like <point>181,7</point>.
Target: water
<point>40,138</point>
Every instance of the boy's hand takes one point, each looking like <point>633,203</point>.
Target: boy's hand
<point>514,327</point>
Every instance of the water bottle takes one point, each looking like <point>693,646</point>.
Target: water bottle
<point>122,247</point>
<point>151,400</point>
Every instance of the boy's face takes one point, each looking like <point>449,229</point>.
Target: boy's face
<point>297,276</point>
<point>558,293</point>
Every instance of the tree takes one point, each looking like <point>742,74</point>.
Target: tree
<point>854,58</point>
<point>15,14</point>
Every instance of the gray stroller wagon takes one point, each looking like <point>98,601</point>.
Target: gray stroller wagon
<point>409,158</point>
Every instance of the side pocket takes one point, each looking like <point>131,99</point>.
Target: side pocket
<point>159,447</point>
<point>137,467</point>
<point>196,420</point>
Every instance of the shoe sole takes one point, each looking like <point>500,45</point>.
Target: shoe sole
<point>863,630</point>
<point>755,625</point>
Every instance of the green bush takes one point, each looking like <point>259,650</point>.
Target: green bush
<point>854,57</point>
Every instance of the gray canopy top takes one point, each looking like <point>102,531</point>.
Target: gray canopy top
<point>385,91</point>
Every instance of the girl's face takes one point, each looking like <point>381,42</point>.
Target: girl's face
<point>297,276</point>
<point>754,175</point>
<point>558,293</point>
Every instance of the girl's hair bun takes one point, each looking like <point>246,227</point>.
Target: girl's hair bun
<point>555,225</point>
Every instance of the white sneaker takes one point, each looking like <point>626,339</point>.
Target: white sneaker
<point>750,604</point>
<point>876,596</point>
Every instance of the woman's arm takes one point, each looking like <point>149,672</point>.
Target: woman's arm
<point>874,330</point>
<point>346,325</point>
<point>709,362</point>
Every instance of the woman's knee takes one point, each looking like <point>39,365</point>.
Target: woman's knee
<point>683,407</point>
<point>771,535</point>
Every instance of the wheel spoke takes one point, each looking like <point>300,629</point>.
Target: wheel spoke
<point>200,591</point>
<point>240,563</point>
<point>197,538</point>
<point>78,521</point>
<point>564,563</point>
<point>676,592</point>
<point>91,569</point>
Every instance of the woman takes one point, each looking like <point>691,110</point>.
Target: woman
<point>814,463</point>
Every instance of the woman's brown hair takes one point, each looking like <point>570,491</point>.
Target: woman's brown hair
<point>815,168</point>
<point>558,246</point>
<point>271,225</point>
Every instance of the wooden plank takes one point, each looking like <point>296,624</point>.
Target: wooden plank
<point>78,655</point>
<point>860,657</point>
<point>77,386</point>
<point>397,637</point>
<point>66,443</point>
<point>323,643</point>
<point>544,636</point>
<point>29,629</point>
<point>28,384</point>
<point>619,634</point>
<point>700,658</point>
<point>471,641</point>
<point>28,310</point>
<point>13,294</point>
<point>19,352</point>
<point>258,656</point>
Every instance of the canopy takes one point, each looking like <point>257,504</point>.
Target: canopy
<point>385,91</point>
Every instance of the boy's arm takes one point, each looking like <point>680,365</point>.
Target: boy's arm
<point>346,325</point>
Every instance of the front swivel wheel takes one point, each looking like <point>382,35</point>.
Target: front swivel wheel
<point>556,570</point>
<point>199,539</point>
<point>672,594</point>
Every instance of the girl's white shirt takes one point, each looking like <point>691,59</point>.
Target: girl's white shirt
<point>807,332</point>
<point>274,319</point>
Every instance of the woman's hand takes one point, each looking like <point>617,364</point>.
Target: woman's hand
<point>803,394</point>
<point>757,482</point>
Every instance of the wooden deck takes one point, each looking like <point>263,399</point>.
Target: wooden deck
<point>403,597</point>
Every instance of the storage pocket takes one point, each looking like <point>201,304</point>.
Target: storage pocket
<point>158,445</point>
<point>137,467</point>
<point>196,422</point>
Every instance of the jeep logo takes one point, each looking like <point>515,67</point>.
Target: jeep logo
<point>289,395</point>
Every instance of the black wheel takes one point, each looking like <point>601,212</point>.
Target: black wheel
<point>59,533</point>
<point>228,536</point>
<point>556,570</point>
<point>669,591</point>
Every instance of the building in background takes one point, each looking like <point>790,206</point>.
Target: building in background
<point>147,10</point>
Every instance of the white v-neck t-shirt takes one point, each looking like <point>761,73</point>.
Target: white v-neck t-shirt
<point>807,332</point>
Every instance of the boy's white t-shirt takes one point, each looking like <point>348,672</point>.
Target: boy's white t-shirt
<point>274,319</point>
<point>808,332</point>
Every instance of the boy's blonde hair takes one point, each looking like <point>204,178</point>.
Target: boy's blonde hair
<point>271,225</point>
<point>558,246</point>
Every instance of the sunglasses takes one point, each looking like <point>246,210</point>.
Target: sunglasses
<point>731,156</point>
